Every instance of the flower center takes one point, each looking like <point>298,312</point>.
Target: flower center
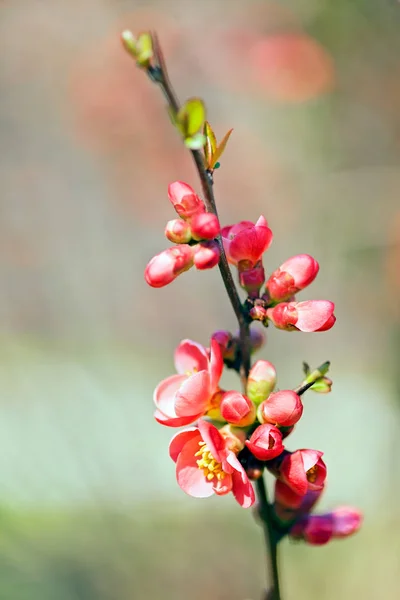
<point>207,463</point>
<point>312,474</point>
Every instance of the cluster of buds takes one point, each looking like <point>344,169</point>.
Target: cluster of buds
<point>194,234</point>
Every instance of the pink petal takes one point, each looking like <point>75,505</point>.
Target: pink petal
<point>175,421</point>
<point>293,473</point>
<point>214,440</point>
<point>178,190</point>
<point>216,365</point>
<point>188,475</point>
<point>224,486</point>
<point>242,488</point>
<point>313,314</point>
<point>180,439</point>
<point>193,395</point>
<point>165,392</point>
<point>310,458</point>
<point>190,357</point>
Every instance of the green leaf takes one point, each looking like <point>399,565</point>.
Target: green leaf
<point>129,42</point>
<point>211,143</point>
<point>144,48</point>
<point>221,147</point>
<point>195,142</point>
<point>191,116</point>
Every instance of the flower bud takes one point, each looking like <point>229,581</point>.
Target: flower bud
<point>322,385</point>
<point>237,409</point>
<point>286,497</point>
<point>311,315</point>
<point>251,279</point>
<point>266,442</point>
<point>206,255</point>
<point>246,241</point>
<point>257,339</point>
<point>167,265</point>
<point>178,231</point>
<point>303,470</point>
<point>281,408</point>
<point>319,529</point>
<point>204,226</point>
<point>261,381</point>
<point>185,200</point>
<point>227,343</point>
<point>294,275</point>
<point>258,313</point>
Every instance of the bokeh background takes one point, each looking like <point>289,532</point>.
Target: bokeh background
<point>89,506</point>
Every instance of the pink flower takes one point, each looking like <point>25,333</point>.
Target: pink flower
<point>178,231</point>
<point>303,470</point>
<point>287,498</point>
<point>266,442</point>
<point>246,241</point>
<point>282,408</point>
<point>185,200</point>
<point>204,226</point>
<point>311,315</point>
<point>181,399</point>
<point>206,255</point>
<point>294,275</point>
<point>261,381</point>
<point>237,409</point>
<point>319,529</point>
<point>167,265</point>
<point>206,465</point>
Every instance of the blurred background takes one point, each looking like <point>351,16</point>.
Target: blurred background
<point>89,506</point>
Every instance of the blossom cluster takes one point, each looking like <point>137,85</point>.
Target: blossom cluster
<point>195,233</point>
<point>234,436</point>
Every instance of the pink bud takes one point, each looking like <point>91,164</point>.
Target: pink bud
<point>261,381</point>
<point>294,275</point>
<point>227,344</point>
<point>266,442</point>
<point>251,279</point>
<point>311,315</point>
<point>185,200</point>
<point>204,226</point>
<point>246,241</point>
<point>303,470</point>
<point>237,409</point>
<point>281,408</point>
<point>286,497</point>
<point>319,529</point>
<point>167,265</point>
<point>178,231</point>
<point>258,313</point>
<point>206,255</point>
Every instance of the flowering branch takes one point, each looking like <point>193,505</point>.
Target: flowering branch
<point>237,435</point>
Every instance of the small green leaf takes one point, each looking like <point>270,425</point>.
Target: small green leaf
<point>221,147</point>
<point>191,116</point>
<point>144,48</point>
<point>195,142</point>
<point>209,146</point>
<point>129,42</point>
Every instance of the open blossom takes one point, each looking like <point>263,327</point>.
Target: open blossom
<point>303,470</point>
<point>185,200</point>
<point>181,399</point>
<point>266,442</point>
<point>206,464</point>
<point>282,408</point>
<point>293,275</point>
<point>319,529</point>
<point>246,241</point>
<point>308,316</point>
<point>168,264</point>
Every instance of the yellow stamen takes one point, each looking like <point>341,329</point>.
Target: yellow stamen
<point>207,463</point>
<point>312,474</point>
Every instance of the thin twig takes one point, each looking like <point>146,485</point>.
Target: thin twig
<point>273,593</point>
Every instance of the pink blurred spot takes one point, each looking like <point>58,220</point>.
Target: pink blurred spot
<point>291,67</point>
